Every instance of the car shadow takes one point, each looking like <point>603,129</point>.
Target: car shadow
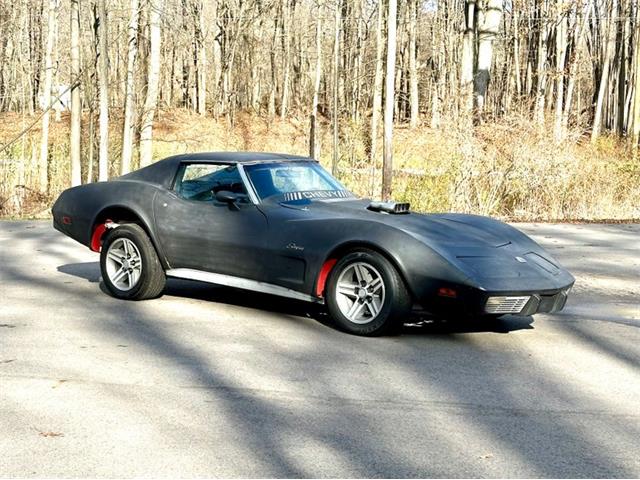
<point>89,271</point>
<point>425,325</point>
<point>418,323</point>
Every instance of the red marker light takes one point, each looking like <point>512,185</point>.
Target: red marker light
<point>66,220</point>
<point>447,292</point>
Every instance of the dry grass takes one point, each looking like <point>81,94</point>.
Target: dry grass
<point>509,169</point>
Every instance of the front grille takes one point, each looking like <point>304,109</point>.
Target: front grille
<point>506,304</point>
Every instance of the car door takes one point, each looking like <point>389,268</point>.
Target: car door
<point>285,246</point>
<point>198,232</point>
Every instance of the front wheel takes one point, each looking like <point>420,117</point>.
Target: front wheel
<point>365,294</point>
<point>129,264</point>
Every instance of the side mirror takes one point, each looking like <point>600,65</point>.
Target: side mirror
<point>226,196</point>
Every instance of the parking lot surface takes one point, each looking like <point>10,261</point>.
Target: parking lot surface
<point>207,381</point>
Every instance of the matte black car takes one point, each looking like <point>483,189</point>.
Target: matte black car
<point>281,224</point>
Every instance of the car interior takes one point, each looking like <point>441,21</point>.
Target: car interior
<point>202,182</point>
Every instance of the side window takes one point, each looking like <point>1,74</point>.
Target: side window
<point>201,181</point>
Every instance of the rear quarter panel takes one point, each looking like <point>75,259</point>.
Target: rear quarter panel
<point>86,205</point>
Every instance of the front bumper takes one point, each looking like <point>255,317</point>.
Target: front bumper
<point>475,302</point>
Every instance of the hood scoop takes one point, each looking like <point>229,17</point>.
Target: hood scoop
<point>389,207</point>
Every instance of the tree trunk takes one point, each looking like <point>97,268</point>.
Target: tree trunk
<point>573,61</point>
<point>438,76</point>
<point>129,99</point>
<point>271,108</point>
<point>286,47</point>
<point>561,49</point>
<point>56,81</point>
<point>489,19</point>
<point>389,100</point>
<point>46,96</point>
<point>413,67</point>
<point>377,92</point>
<point>103,82</point>
<point>516,51</point>
<point>153,77</point>
<point>201,59</point>
<point>216,66</point>
<point>604,77</point>
<point>624,38</point>
<point>541,72</point>
<point>635,128</point>
<point>76,101</point>
<point>314,147</point>
<point>92,143</point>
<point>467,61</point>
<point>336,80</point>
<point>357,62</point>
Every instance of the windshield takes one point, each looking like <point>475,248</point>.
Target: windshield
<point>294,181</point>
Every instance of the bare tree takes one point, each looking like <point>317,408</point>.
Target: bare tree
<point>620,106</point>
<point>414,100</point>
<point>541,66</point>
<point>336,88</point>
<point>377,87</point>
<point>604,77</point>
<point>286,48</point>
<point>314,147</point>
<point>76,100</point>
<point>201,56</point>
<point>216,64</point>
<point>467,61</point>
<point>583,12</point>
<point>103,85</point>
<point>635,123</point>
<point>271,109</point>
<point>129,98</point>
<point>389,101</point>
<point>153,74</point>
<point>561,49</point>
<point>489,18</point>
<point>52,19</point>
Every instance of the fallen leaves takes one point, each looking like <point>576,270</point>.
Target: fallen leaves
<point>50,434</point>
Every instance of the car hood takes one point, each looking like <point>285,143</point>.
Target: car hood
<point>445,229</point>
<point>493,255</point>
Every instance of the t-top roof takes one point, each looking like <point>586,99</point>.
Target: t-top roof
<point>163,171</point>
<point>236,157</point>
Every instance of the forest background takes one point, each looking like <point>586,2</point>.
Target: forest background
<point>521,109</point>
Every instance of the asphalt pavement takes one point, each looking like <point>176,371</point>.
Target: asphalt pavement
<point>213,382</point>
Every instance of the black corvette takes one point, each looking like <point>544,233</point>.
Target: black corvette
<point>281,224</point>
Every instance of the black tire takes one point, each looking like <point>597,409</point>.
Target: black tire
<point>397,300</point>
<point>151,281</point>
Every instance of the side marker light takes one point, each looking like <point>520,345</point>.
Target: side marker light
<point>447,292</point>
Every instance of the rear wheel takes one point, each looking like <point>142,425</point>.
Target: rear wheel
<point>365,294</point>
<point>129,264</point>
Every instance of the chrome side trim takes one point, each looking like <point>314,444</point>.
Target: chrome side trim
<point>238,282</point>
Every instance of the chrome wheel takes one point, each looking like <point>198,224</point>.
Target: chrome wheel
<point>360,292</point>
<point>124,264</point>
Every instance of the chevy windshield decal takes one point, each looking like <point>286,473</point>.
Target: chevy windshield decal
<point>313,194</point>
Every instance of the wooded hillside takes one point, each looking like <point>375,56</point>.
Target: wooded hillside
<point>566,72</point>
